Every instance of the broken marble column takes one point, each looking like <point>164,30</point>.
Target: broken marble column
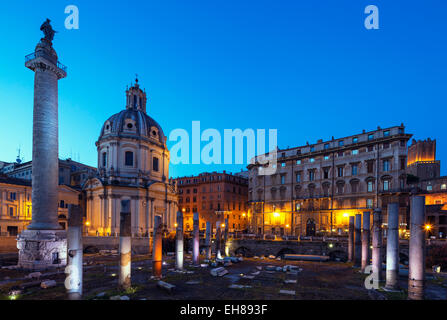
<point>179,242</point>
<point>44,243</point>
<point>351,239</point>
<point>358,241</point>
<point>392,247</point>
<point>416,268</point>
<point>73,282</point>
<point>157,252</point>
<point>195,239</point>
<point>226,238</point>
<point>218,240</point>
<point>366,240</point>
<point>208,240</point>
<point>377,246</point>
<point>125,246</point>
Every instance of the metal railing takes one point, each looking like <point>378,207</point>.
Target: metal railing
<point>38,54</point>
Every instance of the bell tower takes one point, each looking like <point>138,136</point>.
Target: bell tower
<point>136,98</point>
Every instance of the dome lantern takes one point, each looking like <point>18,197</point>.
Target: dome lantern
<point>136,98</point>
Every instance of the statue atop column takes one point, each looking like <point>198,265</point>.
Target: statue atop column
<point>48,31</point>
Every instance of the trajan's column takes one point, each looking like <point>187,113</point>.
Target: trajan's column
<point>44,242</point>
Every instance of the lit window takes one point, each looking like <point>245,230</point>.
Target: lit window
<point>369,203</point>
<point>283,164</point>
<point>354,152</point>
<point>386,185</point>
<point>443,186</point>
<point>298,161</point>
<point>429,188</point>
<point>371,137</point>
<point>326,157</point>
<point>312,160</point>
<point>355,140</point>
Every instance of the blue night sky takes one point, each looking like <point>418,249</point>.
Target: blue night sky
<point>307,68</point>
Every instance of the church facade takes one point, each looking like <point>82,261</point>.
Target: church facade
<point>133,164</point>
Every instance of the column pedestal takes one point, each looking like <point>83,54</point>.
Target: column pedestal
<point>42,249</point>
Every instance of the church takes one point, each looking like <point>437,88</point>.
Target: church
<point>133,164</point>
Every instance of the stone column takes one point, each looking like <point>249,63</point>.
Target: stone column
<point>208,240</point>
<point>377,245</point>
<point>44,229</point>
<point>179,242</point>
<point>392,247</point>
<point>125,247</point>
<point>157,252</point>
<point>366,240</point>
<point>195,239</point>
<point>218,240</point>
<point>73,282</point>
<point>226,238</point>
<point>351,239</point>
<point>358,241</point>
<point>416,271</point>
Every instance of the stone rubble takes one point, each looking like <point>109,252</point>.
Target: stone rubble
<point>219,272</point>
<point>47,284</point>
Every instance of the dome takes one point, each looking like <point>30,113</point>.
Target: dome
<point>133,123</point>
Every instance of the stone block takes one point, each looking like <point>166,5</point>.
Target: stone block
<point>47,284</point>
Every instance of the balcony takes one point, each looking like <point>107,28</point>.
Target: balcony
<point>42,54</point>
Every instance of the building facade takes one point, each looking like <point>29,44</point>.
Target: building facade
<point>16,204</point>
<point>71,173</point>
<point>133,164</point>
<point>425,179</point>
<point>215,196</point>
<point>316,187</point>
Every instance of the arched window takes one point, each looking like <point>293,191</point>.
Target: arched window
<point>129,158</point>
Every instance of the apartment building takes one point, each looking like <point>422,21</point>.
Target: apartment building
<point>316,187</point>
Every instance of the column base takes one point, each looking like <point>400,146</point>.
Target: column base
<point>42,249</point>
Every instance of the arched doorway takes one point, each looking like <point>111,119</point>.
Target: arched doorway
<point>310,228</point>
